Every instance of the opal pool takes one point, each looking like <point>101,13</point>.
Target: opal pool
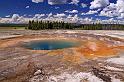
<point>50,44</point>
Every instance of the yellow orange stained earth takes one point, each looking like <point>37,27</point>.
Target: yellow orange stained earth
<point>88,49</point>
<point>93,49</point>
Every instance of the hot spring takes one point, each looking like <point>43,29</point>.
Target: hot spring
<point>50,44</point>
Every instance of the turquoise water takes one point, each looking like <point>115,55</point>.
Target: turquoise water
<point>50,44</point>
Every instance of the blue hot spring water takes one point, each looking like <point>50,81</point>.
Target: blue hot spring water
<point>50,44</point>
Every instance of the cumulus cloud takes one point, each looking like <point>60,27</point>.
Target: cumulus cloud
<point>114,10</point>
<point>38,16</point>
<point>60,15</point>
<point>53,2</point>
<point>50,14</point>
<point>86,20</point>
<point>109,11</point>
<point>7,16</point>
<point>4,20</point>
<point>111,21</point>
<point>120,6</point>
<point>69,16</point>
<point>72,19</point>
<point>27,7</point>
<point>92,12</point>
<point>122,15</point>
<point>15,17</point>
<point>57,7</point>
<point>37,1</point>
<point>63,17</point>
<point>75,2</point>
<point>75,19</point>
<point>99,4</point>
<point>83,13</point>
<point>73,11</point>
<point>83,5</point>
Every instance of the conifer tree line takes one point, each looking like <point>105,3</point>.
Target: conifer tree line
<point>42,25</point>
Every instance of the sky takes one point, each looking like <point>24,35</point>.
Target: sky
<point>75,11</point>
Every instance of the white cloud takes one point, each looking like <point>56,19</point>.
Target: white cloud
<point>83,13</point>
<point>63,17</point>
<point>27,7</point>
<point>15,17</point>
<point>99,3</point>
<point>92,12</point>
<point>37,1</point>
<point>87,20</point>
<point>72,19</point>
<point>57,7</point>
<point>75,2</point>
<point>49,15</point>
<point>7,16</point>
<point>73,11</point>
<point>75,19</point>
<point>69,16</point>
<point>53,2</point>
<point>120,6</point>
<point>38,16</point>
<point>114,10</point>
<point>60,15</point>
<point>4,20</point>
<point>83,5</point>
<point>67,11</point>
<point>122,15</point>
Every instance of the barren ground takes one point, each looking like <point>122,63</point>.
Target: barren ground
<point>100,58</point>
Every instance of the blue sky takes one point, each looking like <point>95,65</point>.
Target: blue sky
<point>9,7</point>
<point>93,9</point>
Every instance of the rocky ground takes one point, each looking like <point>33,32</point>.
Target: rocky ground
<point>18,64</point>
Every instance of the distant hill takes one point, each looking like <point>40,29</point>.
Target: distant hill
<point>13,25</point>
